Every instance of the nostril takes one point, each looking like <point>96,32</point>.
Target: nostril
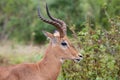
<point>80,56</point>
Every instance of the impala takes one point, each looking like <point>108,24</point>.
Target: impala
<point>48,68</point>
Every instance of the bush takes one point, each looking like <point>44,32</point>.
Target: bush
<point>101,52</point>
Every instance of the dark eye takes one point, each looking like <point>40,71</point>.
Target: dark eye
<point>64,44</point>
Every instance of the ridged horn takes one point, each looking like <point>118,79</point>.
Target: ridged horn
<point>54,23</point>
<point>62,23</point>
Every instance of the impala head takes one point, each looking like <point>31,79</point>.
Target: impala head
<point>59,43</point>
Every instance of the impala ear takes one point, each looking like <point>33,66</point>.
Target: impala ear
<point>48,35</point>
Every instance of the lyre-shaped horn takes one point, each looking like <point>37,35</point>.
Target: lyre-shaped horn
<point>59,24</point>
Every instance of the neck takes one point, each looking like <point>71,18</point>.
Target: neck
<point>50,65</point>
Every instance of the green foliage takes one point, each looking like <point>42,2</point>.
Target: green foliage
<point>97,23</point>
<point>101,55</point>
<point>19,20</point>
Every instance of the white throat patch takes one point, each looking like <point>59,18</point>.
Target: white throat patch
<point>61,60</point>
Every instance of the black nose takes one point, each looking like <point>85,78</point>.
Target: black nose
<point>80,56</point>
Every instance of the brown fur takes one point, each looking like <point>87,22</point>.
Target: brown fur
<point>47,69</point>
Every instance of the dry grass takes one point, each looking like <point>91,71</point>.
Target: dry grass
<point>11,48</point>
<point>11,53</point>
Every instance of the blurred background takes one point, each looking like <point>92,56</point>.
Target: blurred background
<point>93,27</point>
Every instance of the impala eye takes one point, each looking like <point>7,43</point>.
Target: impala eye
<point>64,44</point>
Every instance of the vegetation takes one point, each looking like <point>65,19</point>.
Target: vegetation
<point>96,24</point>
<point>101,50</point>
<point>19,20</point>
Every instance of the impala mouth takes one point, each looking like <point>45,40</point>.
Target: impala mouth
<point>78,59</point>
